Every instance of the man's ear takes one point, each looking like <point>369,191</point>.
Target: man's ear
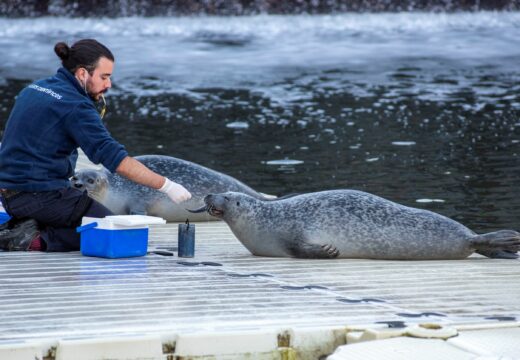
<point>85,75</point>
<point>81,73</point>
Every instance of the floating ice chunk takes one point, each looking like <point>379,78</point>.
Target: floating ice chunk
<point>237,125</point>
<point>284,162</point>
<point>403,143</point>
<point>372,159</point>
<point>425,201</point>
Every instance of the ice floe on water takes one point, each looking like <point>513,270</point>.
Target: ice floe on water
<point>403,143</point>
<point>284,162</point>
<point>427,201</point>
<point>238,125</point>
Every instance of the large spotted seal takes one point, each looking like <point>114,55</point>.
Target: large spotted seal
<point>124,197</point>
<point>351,224</point>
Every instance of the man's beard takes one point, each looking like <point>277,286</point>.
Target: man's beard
<point>93,97</point>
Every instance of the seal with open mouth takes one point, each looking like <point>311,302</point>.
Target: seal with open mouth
<point>351,224</point>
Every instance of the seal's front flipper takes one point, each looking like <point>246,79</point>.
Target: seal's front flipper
<point>306,250</point>
<point>502,244</point>
<point>330,250</point>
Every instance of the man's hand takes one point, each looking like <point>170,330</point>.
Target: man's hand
<point>134,170</point>
<point>176,192</point>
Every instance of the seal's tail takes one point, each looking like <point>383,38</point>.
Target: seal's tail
<point>503,244</point>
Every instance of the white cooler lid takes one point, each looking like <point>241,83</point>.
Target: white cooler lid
<point>123,221</point>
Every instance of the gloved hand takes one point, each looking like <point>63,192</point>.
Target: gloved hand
<point>176,192</point>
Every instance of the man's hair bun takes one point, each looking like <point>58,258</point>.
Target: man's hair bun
<point>82,54</point>
<point>62,50</point>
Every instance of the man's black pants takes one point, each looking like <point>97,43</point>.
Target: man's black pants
<point>57,212</point>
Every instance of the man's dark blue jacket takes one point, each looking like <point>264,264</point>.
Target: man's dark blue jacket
<point>50,120</point>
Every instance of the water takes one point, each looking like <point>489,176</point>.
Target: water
<point>119,8</point>
<point>420,108</point>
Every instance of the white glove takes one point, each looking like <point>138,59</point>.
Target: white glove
<point>176,192</point>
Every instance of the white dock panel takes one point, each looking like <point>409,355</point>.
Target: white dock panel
<point>401,349</point>
<point>502,343</point>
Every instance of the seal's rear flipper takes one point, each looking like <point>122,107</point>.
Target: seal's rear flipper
<point>502,244</point>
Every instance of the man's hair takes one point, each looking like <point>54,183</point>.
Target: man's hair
<point>83,54</point>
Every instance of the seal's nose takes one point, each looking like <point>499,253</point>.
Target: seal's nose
<point>78,184</point>
<point>75,182</point>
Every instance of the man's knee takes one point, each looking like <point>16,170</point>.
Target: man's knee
<point>80,209</point>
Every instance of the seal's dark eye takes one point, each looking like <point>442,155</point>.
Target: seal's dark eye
<point>90,181</point>
<point>238,203</point>
<point>226,198</point>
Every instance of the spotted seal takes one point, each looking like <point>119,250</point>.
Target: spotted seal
<point>351,224</point>
<point>123,196</point>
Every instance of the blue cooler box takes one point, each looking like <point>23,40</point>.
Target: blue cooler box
<point>3,215</point>
<point>116,236</point>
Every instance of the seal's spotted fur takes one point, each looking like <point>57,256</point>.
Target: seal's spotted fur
<point>123,196</point>
<point>352,224</point>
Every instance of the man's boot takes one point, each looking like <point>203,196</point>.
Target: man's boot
<point>19,236</point>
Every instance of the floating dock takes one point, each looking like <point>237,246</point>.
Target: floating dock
<point>228,304</point>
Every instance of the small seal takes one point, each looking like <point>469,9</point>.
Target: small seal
<point>351,224</point>
<point>124,197</point>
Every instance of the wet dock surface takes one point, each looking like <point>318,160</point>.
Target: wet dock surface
<point>58,296</point>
